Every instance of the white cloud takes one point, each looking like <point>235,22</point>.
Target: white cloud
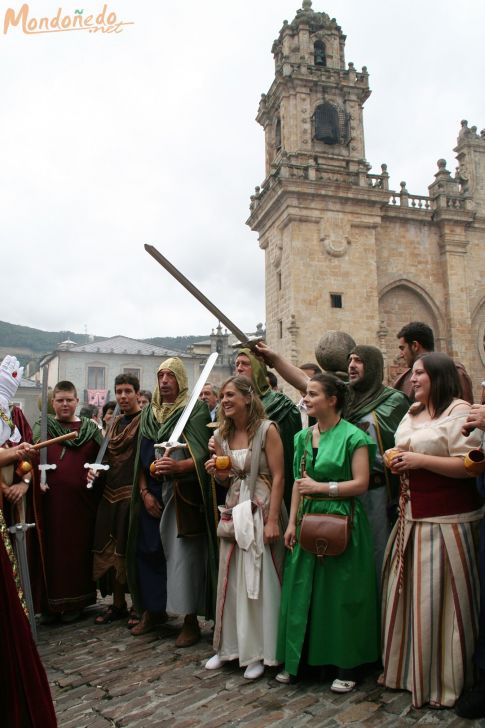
<point>113,141</point>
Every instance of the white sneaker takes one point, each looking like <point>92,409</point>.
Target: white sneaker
<point>254,670</point>
<point>214,662</point>
<point>342,686</point>
<point>283,677</point>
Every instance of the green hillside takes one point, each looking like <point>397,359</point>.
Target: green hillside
<point>33,343</point>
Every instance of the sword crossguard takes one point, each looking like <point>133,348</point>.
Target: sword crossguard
<point>168,447</point>
<point>247,343</point>
<point>21,527</point>
<point>46,466</point>
<point>95,467</point>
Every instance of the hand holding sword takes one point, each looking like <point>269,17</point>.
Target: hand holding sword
<point>164,466</point>
<point>98,465</point>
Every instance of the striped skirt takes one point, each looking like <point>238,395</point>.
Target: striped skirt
<point>429,627</point>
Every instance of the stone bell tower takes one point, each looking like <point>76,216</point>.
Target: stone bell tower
<point>342,250</point>
<point>318,208</point>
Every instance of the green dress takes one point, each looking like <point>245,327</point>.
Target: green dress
<point>334,604</point>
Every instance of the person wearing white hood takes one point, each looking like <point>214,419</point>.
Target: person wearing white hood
<point>25,699</point>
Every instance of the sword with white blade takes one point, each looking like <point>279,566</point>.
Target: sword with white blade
<point>172,443</point>
<point>44,466</point>
<point>98,463</point>
<point>250,343</point>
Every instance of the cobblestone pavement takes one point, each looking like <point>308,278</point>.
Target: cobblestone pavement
<point>102,676</point>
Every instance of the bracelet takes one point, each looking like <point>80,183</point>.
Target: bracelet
<point>333,489</point>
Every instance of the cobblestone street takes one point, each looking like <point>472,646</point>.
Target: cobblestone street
<point>102,676</point>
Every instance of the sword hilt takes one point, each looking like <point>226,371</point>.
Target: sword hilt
<point>168,447</point>
<point>46,466</point>
<point>21,527</point>
<point>96,467</point>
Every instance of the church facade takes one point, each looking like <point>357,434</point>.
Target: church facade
<point>342,250</point>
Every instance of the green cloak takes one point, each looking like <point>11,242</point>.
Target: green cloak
<point>386,406</point>
<point>88,431</point>
<point>196,435</point>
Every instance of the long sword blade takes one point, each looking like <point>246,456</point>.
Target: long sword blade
<point>43,415</point>
<point>43,465</point>
<point>197,294</point>
<point>187,411</point>
<point>20,549</point>
<point>98,463</point>
<point>104,445</point>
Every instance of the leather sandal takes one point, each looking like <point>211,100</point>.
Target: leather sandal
<point>111,614</point>
<point>190,633</point>
<point>133,618</point>
<point>148,623</point>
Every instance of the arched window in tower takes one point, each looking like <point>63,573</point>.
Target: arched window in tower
<point>277,134</point>
<point>326,119</point>
<point>319,58</point>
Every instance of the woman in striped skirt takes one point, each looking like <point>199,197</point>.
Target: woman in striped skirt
<point>430,579</point>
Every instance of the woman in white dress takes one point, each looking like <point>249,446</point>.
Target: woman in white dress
<point>430,580</point>
<point>250,567</point>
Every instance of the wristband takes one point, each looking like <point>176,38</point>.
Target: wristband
<point>333,489</point>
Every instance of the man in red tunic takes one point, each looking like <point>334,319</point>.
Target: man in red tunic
<point>68,510</point>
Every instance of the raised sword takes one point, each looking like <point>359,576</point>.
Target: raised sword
<point>189,286</point>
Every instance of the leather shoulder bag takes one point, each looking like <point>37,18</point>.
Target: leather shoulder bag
<point>324,534</point>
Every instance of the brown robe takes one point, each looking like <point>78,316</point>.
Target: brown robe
<point>112,520</point>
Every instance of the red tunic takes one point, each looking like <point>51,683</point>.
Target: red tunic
<point>68,516</point>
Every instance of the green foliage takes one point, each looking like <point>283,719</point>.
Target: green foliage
<point>38,343</point>
<point>35,340</point>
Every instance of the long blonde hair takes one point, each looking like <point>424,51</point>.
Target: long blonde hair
<point>256,412</point>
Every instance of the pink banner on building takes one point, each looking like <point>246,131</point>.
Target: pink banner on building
<point>97,396</point>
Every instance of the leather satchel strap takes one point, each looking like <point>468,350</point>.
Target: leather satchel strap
<point>256,446</point>
<point>303,468</point>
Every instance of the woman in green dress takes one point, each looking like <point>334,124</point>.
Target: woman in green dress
<point>329,612</point>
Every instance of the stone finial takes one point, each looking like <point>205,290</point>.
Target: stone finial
<point>307,4</point>
<point>384,168</point>
<point>332,351</point>
<point>441,164</point>
<point>403,188</point>
<point>464,129</point>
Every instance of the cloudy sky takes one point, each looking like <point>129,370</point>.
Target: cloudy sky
<point>149,136</point>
